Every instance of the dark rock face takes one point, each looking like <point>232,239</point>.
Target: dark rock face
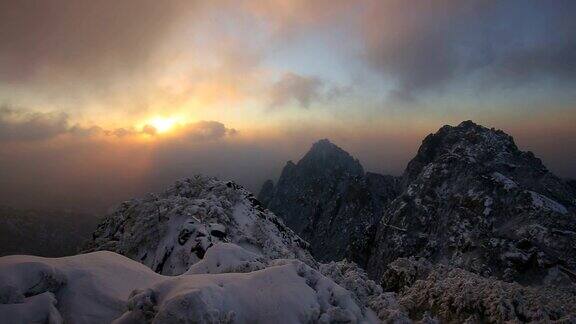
<point>470,198</point>
<point>328,200</point>
<point>266,192</point>
<point>571,183</point>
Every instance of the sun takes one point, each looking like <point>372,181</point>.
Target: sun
<point>163,125</point>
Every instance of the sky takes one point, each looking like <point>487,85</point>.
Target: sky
<point>104,100</point>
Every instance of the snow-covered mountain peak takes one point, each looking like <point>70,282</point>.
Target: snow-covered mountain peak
<point>172,230</point>
<point>467,141</point>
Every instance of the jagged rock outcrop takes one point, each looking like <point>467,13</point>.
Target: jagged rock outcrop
<point>172,230</point>
<point>470,198</point>
<point>330,201</point>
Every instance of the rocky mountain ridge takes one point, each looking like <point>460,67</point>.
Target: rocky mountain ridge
<point>469,198</point>
<point>474,231</point>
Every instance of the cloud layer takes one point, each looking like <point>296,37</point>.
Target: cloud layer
<point>18,125</point>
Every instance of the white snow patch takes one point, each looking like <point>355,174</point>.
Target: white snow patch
<point>411,190</point>
<point>541,201</point>
<point>428,170</point>
<point>488,205</point>
<point>503,180</point>
<point>225,258</point>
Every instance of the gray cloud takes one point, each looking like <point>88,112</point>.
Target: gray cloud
<point>17,125</point>
<point>47,163</point>
<point>207,130</point>
<point>524,65</point>
<point>303,90</point>
<point>294,87</point>
<point>21,125</point>
<point>425,46</point>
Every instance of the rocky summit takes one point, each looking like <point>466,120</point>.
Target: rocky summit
<point>470,198</point>
<point>330,201</point>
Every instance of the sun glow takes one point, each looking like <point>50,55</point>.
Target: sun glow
<point>163,125</point>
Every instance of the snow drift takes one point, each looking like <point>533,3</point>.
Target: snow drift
<point>104,287</point>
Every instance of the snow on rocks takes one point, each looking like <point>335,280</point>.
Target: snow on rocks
<point>487,206</point>
<point>173,230</point>
<point>453,295</point>
<point>105,287</point>
<point>506,182</point>
<point>458,296</point>
<point>366,291</point>
<point>227,257</point>
<point>91,288</point>
<point>541,201</point>
<point>230,259</point>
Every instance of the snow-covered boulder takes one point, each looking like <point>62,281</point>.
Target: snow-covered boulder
<point>35,309</point>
